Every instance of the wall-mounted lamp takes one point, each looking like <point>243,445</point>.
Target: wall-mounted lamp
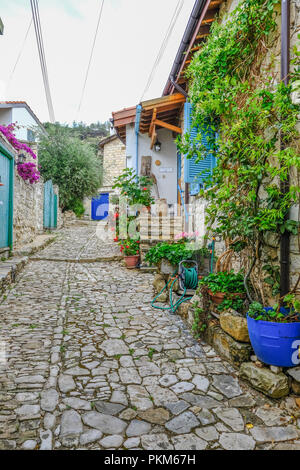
<point>157,146</point>
<point>21,159</point>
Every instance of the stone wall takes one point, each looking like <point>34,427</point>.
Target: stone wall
<point>114,162</point>
<point>29,210</point>
<point>272,62</point>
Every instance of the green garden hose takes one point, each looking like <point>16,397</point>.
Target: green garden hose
<point>190,282</point>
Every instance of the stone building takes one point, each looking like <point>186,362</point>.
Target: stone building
<point>114,160</point>
<point>22,205</point>
<point>112,151</point>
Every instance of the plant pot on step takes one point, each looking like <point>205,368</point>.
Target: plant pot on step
<point>274,343</point>
<point>218,297</point>
<point>132,261</point>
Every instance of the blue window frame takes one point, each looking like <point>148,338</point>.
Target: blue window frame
<point>195,173</point>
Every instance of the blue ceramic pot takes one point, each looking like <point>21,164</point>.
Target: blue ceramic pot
<point>276,344</point>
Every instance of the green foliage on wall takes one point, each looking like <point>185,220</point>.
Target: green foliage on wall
<point>251,111</point>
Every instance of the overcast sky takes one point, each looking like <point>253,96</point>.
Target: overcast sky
<point>130,35</point>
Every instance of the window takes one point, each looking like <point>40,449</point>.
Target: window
<point>195,173</point>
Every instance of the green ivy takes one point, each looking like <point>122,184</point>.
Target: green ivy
<point>227,282</point>
<point>250,113</point>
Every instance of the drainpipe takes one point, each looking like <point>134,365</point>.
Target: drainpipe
<point>285,70</point>
<point>137,130</point>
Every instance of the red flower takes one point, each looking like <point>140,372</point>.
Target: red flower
<point>127,246</point>
<point>116,239</point>
<point>116,216</point>
<point>145,189</point>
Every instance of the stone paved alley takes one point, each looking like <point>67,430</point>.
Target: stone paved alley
<point>90,365</point>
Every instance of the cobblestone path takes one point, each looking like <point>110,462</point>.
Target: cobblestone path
<point>90,365</point>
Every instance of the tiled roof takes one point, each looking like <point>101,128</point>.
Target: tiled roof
<point>22,104</point>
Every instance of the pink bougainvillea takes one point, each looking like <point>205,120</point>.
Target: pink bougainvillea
<point>28,170</point>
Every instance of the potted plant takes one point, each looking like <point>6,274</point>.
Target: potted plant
<point>131,250</point>
<point>224,285</point>
<point>137,189</point>
<point>275,332</point>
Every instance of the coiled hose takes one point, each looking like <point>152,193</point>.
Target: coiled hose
<point>190,282</point>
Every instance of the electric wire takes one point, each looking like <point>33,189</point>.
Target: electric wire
<point>42,56</point>
<point>20,54</point>
<point>91,57</point>
<point>51,110</point>
<point>164,45</point>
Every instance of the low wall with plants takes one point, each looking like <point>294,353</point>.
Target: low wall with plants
<point>262,343</point>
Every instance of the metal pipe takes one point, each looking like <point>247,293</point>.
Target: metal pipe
<point>285,185</point>
<point>137,130</point>
<point>187,202</point>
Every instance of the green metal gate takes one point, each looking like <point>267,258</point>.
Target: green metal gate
<point>6,197</point>
<point>50,207</point>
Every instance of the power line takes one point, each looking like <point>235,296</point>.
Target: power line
<point>91,57</point>
<point>49,99</point>
<point>41,50</point>
<point>163,45</point>
<point>20,54</point>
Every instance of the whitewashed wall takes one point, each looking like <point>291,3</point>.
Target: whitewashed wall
<point>167,182</point>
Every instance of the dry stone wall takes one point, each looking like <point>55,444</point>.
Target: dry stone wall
<point>29,211</point>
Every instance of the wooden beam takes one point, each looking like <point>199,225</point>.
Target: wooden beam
<point>152,121</point>
<point>153,138</point>
<point>168,126</point>
<point>203,32</point>
<point>214,4</point>
<point>165,104</point>
<point>210,16</point>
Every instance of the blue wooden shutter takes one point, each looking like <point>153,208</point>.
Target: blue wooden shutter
<point>193,170</point>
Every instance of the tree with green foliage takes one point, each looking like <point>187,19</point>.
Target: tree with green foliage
<point>71,164</point>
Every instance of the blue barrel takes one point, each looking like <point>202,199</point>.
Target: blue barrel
<point>276,344</point>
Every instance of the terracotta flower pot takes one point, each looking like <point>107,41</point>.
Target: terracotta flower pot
<point>218,297</point>
<point>131,261</point>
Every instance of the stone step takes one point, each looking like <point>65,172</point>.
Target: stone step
<point>9,270</point>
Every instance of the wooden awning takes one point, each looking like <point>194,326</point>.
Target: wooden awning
<point>161,113</point>
<point>156,114</point>
<point>121,119</point>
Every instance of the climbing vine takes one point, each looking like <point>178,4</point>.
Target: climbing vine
<point>251,111</point>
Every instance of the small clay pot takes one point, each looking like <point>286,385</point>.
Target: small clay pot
<point>132,261</point>
<point>218,297</point>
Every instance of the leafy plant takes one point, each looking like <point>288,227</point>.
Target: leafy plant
<point>236,303</point>
<point>130,247</point>
<point>277,314</point>
<point>70,163</point>
<point>228,282</point>
<point>173,252</point>
<point>137,189</point>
